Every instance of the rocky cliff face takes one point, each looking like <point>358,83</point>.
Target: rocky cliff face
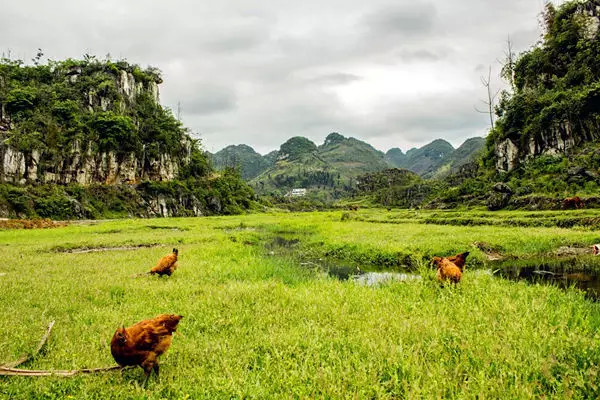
<point>554,110</point>
<point>84,167</point>
<point>89,139</point>
<point>560,139</point>
<point>78,163</point>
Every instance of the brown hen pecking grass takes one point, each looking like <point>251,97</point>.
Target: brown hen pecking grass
<point>142,343</point>
<point>166,265</point>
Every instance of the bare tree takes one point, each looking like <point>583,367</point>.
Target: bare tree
<point>491,97</point>
<point>508,64</point>
<point>38,57</point>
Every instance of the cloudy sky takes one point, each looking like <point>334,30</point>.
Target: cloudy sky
<point>394,73</point>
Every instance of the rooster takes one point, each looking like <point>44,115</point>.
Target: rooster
<point>450,268</point>
<point>142,343</point>
<point>166,265</point>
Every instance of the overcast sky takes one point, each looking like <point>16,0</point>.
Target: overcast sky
<point>393,73</point>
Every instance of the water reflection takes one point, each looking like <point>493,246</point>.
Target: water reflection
<point>580,272</point>
<point>378,278</point>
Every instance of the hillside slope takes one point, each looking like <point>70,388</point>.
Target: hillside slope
<point>332,166</point>
<point>424,161</point>
<point>471,150</point>
<point>555,107</point>
<point>250,163</point>
<point>89,138</point>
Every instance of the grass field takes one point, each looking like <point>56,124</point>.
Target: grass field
<point>259,323</point>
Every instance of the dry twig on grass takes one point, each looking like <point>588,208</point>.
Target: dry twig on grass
<point>10,370</point>
<point>31,372</point>
<point>26,358</point>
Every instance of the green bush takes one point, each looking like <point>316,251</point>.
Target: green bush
<point>20,99</point>
<point>115,132</point>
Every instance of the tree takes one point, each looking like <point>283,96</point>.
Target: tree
<point>508,64</point>
<point>491,98</point>
<point>38,57</point>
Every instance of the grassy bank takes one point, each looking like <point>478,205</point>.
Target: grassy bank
<point>258,325</point>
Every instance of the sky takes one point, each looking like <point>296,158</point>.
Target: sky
<point>393,73</point>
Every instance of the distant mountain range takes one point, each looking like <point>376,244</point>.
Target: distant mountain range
<point>436,158</point>
<point>338,161</point>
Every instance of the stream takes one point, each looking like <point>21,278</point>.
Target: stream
<point>580,272</point>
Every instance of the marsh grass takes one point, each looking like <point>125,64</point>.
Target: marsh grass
<point>258,326</point>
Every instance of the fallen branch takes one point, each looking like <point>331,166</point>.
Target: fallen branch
<point>26,358</point>
<point>30,372</point>
<point>10,370</point>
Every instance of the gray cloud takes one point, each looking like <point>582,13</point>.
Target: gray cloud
<point>208,99</point>
<point>404,18</point>
<point>338,78</point>
<point>396,73</point>
<point>412,55</point>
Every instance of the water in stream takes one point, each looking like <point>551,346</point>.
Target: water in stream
<point>580,272</point>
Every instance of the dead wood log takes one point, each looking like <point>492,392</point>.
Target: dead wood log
<point>26,357</point>
<point>4,371</point>
<point>10,370</point>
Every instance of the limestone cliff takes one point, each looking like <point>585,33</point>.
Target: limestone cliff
<point>85,167</point>
<point>55,138</point>
<point>555,107</point>
<point>89,139</point>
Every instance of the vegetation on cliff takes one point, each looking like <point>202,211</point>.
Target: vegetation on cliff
<point>72,118</point>
<point>544,143</point>
<point>554,108</point>
<point>49,106</point>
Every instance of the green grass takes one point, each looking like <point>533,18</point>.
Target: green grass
<point>258,325</point>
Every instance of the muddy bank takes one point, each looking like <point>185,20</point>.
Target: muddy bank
<point>85,249</point>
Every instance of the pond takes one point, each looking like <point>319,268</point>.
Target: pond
<point>344,271</point>
<point>580,272</point>
<point>564,268</point>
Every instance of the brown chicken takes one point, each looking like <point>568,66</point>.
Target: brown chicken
<point>142,343</point>
<point>459,260</point>
<point>166,265</point>
<point>450,268</point>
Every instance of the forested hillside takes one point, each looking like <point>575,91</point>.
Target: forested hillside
<point>425,161</point>
<point>546,137</point>
<point>330,168</point>
<point>250,163</point>
<point>86,123</point>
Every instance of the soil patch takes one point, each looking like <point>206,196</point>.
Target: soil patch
<point>168,228</point>
<point>491,253</point>
<point>567,251</point>
<point>30,223</point>
<point>81,250</point>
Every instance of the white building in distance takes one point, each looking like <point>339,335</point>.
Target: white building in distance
<point>297,192</point>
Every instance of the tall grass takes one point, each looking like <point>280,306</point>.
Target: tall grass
<point>256,325</point>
